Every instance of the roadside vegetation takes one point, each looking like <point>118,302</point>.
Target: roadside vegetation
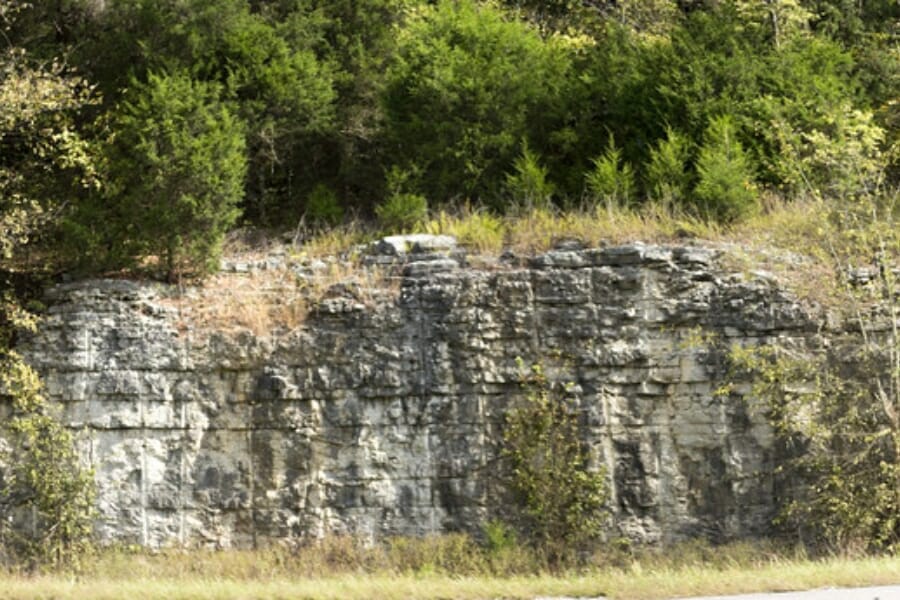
<point>447,567</point>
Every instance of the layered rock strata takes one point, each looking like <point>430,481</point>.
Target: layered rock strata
<point>382,416</point>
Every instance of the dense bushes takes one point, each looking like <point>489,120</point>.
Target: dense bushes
<point>698,106</point>
<point>468,83</point>
<point>559,505</point>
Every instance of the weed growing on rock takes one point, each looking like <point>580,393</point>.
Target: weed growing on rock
<point>560,503</point>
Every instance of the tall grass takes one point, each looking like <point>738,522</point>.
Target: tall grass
<point>450,566</point>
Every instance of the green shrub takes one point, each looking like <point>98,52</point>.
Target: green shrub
<point>667,176</point>
<point>467,84</point>
<point>47,497</point>
<point>323,206</point>
<point>725,189</point>
<point>560,505</point>
<point>477,229</point>
<point>402,210</point>
<point>835,406</point>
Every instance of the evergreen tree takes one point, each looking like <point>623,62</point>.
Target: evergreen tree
<point>179,163</point>
<point>725,188</point>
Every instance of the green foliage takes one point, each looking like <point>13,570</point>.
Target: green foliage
<point>778,19</point>
<point>179,164</point>
<point>46,497</point>
<point>334,91</point>
<point>499,537</point>
<point>402,210</point>
<point>667,178</point>
<point>527,185</point>
<point>358,40</point>
<point>725,189</point>
<point>477,229</point>
<point>43,156</point>
<point>838,156</point>
<point>467,85</point>
<point>561,504</point>
<point>610,182</point>
<point>840,467</point>
<point>836,407</point>
<point>264,64</point>
<point>323,206</point>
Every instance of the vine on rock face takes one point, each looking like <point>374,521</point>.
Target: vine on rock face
<point>46,496</point>
<point>836,408</point>
<point>560,503</point>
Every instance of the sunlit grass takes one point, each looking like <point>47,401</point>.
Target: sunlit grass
<point>227,575</point>
<point>785,225</point>
<point>787,239</point>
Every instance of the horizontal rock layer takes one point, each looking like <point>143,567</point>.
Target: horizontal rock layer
<point>384,417</point>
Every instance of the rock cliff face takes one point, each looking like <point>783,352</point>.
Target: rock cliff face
<point>384,417</point>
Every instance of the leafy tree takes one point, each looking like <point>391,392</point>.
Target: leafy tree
<point>836,408</point>
<point>44,492</point>
<point>838,157</point>
<point>467,85</point>
<point>265,64</point>
<point>179,168</point>
<point>554,15</point>
<point>725,188</point>
<point>42,156</point>
<point>358,38</point>
<point>780,19</point>
<point>612,91</point>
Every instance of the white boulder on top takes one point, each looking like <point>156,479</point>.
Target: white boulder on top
<point>400,245</point>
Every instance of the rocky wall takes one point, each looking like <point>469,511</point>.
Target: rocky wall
<point>382,416</point>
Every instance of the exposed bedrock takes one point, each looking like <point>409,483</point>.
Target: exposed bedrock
<point>383,417</point>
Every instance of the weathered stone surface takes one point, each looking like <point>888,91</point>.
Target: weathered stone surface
<point>384,418</point>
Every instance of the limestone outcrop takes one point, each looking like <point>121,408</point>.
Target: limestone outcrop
<point>383,416</point>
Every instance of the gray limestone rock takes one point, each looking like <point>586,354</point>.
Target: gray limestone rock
<point>382,416</point>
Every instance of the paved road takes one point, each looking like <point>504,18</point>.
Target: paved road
<point>891,592</point>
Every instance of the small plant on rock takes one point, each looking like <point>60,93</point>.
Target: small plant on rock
<point>560,504</point>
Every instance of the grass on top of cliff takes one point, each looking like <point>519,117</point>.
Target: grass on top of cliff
<point>786,238</point>
<point>445,567</point>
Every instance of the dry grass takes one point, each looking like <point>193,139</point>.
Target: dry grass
<point>445,567</point>
<point>335,241</point>
<point>273,301</point>
<point>259,302</point>
<point>788,240</point>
